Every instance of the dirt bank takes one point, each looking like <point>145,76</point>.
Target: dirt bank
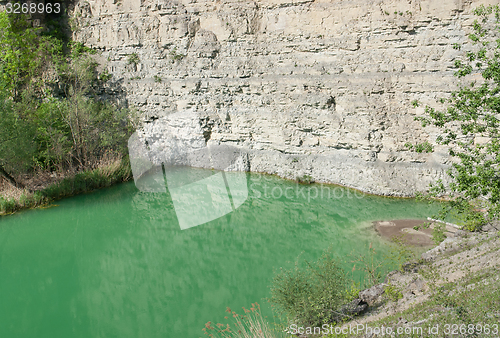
<point>407,229</point>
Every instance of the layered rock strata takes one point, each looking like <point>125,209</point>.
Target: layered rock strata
<point>303,87</point>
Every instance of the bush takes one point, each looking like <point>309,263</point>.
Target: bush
<point>311,295</point>
<point>7,205</point>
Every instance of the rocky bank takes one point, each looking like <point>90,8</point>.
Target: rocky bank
<point>465,261</point>
<point>302,87</point>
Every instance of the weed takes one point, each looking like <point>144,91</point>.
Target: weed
<point>133,59</point>
<point>249,325</point>
<point>424,147</point>
<point>393,292</point>
<point>438,233</point>
<point>176,56</point>
<point>105,76</point>
<point>305,179</point>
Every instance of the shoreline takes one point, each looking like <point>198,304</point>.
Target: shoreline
<point>404,229</point>
<point>79,183</point>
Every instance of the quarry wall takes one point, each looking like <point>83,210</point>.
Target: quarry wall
<point>302,87</point>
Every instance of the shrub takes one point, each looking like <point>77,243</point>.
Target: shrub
<point>7,205</point>
<point>311,295</point>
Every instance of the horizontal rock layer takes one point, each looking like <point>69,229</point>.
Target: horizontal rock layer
<point>304,87</point>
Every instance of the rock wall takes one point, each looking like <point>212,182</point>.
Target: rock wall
<point>305,87</point>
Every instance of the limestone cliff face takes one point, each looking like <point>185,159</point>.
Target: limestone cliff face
<point>316,87</point>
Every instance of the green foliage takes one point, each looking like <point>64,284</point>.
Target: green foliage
<point>87,181</point>
<point>305,179</point>
<point>415,103</point>
<point>175,55</point>
<point>438,233</point>
<point>17,146</point>
<point>26,200</point>
<point>7,206</point>
<point>22,53</point>
<point>82,182</point>
<point>471,127</point>
<point>133,59</point>
<point>59,124</point>
<point>105,76</point>
<point>78,49</point>
<point>311,295</point>
<point>353,292</point>
<point>370,265</point>
<point>393,292</point>
<point>424,147</point>
<point>401,252</point>
<point>157,79</point>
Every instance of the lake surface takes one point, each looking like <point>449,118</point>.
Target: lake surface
<point>115,263</point>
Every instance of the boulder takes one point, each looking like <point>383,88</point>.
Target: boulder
<point>354,308</point>
<point>371,295</point>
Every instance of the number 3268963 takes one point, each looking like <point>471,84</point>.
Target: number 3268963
<point>33,7</point>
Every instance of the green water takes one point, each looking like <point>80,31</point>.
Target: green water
<point>114,263</point>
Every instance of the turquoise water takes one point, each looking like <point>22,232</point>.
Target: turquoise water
<point>115,263</point>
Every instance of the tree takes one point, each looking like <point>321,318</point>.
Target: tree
<point>23,51</point>
<point>16,142</point>
<point>51,114</point>
<point>470,126</point>
<point>92,126</point>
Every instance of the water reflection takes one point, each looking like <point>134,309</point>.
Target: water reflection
<point>116,263</point>
<point>198,196</point>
